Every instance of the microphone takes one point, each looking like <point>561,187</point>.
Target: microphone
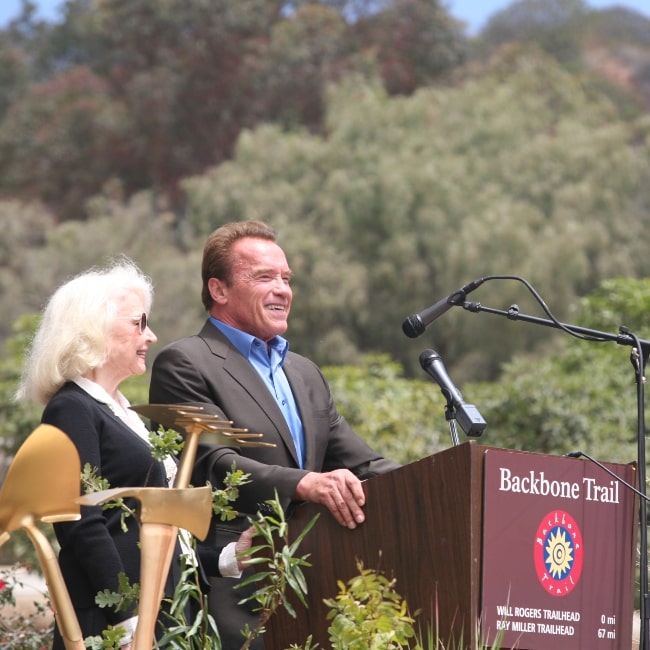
<point>467,415</point>
<point>415,324</point>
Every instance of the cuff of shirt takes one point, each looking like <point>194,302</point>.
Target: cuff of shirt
<point>129,626</point>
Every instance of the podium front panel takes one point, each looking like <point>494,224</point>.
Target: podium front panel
<point>559,547</point>
<point>423,528</point>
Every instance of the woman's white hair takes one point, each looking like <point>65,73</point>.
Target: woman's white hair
<point>72,337</point>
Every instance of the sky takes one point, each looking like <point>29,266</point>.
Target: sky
<point>474,13</point>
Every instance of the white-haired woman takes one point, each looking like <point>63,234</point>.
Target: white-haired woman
<point>93,335</point>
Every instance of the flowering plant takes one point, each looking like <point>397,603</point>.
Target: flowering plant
<point>26,621</point>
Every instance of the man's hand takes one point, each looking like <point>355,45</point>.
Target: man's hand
<point>339,491</point>
<point>243,544</point>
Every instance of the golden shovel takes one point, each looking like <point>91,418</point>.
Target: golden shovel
<point>161,512</point>
<point>42,484</point>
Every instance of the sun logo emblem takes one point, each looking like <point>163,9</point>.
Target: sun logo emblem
<point>558,553</point>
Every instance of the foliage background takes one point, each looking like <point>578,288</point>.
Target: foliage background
<point>397,158</point>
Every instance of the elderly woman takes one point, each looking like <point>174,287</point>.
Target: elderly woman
<point>93,335</point>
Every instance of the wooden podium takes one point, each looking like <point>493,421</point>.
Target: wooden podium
<point>535,551</point>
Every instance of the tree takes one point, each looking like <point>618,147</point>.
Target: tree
<point>169,85</point>
<point>555,25</point>
<point>13,75</point>
<point>24,231</point>
<point>416,41</point>
<point>63,140</point>
<point>309,49</point>
<point>17,420</point>
<point>521,170</point>
<point>411,198</point>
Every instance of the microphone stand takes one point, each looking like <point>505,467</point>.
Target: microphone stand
<point>450,416</point>
<point>638,356</point>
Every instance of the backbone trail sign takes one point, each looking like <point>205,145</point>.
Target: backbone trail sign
<point>559,546</point>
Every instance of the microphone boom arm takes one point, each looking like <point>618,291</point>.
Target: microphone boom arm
<point>622,338</point>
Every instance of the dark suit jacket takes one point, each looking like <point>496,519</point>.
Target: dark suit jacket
<point>208,370</point>
<point>95,549</point>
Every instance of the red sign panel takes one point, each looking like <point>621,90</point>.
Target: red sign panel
<point>558,553</point>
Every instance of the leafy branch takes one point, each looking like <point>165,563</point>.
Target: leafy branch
<point>165,442</point>
<point>199,632</point>
<point>92,482</point>
<point>280,568</point>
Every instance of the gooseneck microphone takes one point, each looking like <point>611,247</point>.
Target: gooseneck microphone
<point>467,415</point>
<point>578,454</point>
<point>415,324</point>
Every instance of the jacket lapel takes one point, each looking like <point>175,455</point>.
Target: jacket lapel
<point>242,372</point>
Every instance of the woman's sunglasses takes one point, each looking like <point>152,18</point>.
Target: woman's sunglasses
<point>141,321</point>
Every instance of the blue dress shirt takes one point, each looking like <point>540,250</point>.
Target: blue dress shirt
<point>267,359</point>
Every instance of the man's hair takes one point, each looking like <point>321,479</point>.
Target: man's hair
<point>218,260</point>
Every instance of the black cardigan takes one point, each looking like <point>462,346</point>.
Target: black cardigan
<point>95,549</point>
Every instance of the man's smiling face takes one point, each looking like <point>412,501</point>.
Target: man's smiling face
<point>258,298</point>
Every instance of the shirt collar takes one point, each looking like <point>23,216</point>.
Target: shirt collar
<point>100,394</point>
<point>246,343</point>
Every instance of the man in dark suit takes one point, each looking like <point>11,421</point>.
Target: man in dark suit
<point>239,367</point>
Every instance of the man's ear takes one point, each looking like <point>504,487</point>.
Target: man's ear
<point>217,290</point>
